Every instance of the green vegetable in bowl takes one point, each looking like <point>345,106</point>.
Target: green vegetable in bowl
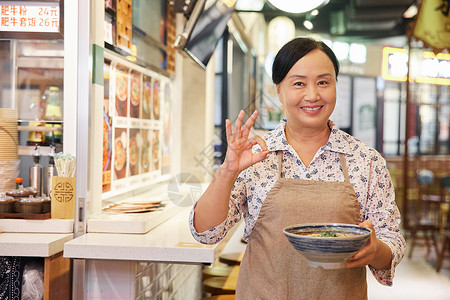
<point>328,233</point>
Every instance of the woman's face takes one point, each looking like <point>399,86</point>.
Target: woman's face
<point>308,92</point>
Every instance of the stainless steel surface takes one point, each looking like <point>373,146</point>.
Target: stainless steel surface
<point>36,178</point>
<point>49,172</point>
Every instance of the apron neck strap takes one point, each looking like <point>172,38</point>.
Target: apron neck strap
<point>344,167</point>
<point>280,162</point>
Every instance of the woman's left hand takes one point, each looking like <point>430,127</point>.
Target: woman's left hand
<point>372,253</point>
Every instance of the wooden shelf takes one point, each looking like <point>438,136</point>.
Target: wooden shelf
<point>29,150</point>
<point>39,128</point>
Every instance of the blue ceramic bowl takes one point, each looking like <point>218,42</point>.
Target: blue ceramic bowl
<point>327,252</point>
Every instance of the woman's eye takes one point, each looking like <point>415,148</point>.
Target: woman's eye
<point>322,82</point>
<point>298,83</point>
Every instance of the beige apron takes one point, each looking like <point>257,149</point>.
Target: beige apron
<point>272,269</point>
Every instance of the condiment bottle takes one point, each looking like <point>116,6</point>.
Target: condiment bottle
<point>19,183</point>
<point>49,171</point>
<point>53,107</point>
<point>36,171</point>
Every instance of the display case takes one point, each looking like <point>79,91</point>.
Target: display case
<point>33,89</point>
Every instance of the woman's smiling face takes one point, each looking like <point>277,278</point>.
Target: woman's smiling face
<point>308,92</point>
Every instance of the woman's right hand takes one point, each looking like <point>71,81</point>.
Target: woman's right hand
<point>239,154</point>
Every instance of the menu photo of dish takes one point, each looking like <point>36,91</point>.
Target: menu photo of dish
<point>107,151</point>
<point>166,118</point>
<point>134,151</point>
<point>121,91</point>
<point>156,151</point>
<point>146,97</point>
<point>145,151</point>
<point>156,99</point>
<point>135,91</point>
<point>120,153</point>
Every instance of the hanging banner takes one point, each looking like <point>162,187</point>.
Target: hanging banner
<point>433,24</point>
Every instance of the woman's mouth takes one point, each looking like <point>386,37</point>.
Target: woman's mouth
<point>316,108</point>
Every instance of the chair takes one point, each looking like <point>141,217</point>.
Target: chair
<point>445,221</point>
<point>426,218</point>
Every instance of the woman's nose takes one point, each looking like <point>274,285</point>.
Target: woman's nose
<point>312,93</point>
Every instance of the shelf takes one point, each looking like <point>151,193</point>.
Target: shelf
<point>39,128</point>
<point>41,121</point>
<point>29,150</point>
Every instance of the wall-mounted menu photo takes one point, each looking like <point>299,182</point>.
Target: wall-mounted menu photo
<point>134,151</point>
<point>146,97</point>
<point>156,105</point>
<point>121,90</point>
<point>107,130</point>
<point>166,118</point>
<point>120,153</point>
<point>145,151</point>
<point>156,150</point>
<point>135,91</point>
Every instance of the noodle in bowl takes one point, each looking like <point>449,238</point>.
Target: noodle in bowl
<point>327,245</point>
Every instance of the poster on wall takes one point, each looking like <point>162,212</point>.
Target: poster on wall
<point>134,142</point>
<point>155,164</point>
<point>137,125</point>
<point>135,91</point>
<point>120,152</point>
<point>156,99</point>
<point>166,143</point>
<point>364,110</point>
<point>147,97</point>
<point>121,90</point>
<point>107,131</point>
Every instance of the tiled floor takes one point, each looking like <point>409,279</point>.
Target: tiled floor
<point>415,279</point>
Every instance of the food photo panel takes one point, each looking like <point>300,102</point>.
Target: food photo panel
<point>107,130</point>
<point>121,91</point>
<point>145,151</point>
<point>156,151</point>
<point>166,118</point>
<point>134,151</point>
<point>156,99</point>
<point>120,153</point>
<point>146,97</point>
<point>135,91</point>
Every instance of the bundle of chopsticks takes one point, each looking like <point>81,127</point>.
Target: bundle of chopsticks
<point>65,164</point>
<point>134,207</point>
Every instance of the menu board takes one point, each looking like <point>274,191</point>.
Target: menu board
<point>137,113</point>
<point>31,19</point>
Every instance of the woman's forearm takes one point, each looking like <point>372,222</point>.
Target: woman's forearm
<point>212,207</point>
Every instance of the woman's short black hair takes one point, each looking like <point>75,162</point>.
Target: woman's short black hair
<point>291,52</point>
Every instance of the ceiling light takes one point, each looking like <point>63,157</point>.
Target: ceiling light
<point>299,6</point>
<point>357,53</point>
<point>251,5</point>
<point>308,25</point>
<point>411,12</point>
<point>314,12</point>
<point>280,31</point>
<point>341,50</point>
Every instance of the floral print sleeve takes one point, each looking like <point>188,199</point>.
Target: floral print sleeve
<point>383,212</point>
<point>236,206</point>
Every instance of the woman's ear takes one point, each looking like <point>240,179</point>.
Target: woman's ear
<point>277,89</point>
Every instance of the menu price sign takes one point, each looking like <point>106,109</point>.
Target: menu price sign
<point>31,19</point>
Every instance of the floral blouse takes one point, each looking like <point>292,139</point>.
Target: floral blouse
<point>368,175</point>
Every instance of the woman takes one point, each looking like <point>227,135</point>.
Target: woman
<point>305,170</point>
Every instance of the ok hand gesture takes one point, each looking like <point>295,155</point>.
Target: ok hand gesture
<point>239,152</point>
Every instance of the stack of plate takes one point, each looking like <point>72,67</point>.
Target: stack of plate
<point>9,153</point>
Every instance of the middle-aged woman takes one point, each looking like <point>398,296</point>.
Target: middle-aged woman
<point>305,170</point>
